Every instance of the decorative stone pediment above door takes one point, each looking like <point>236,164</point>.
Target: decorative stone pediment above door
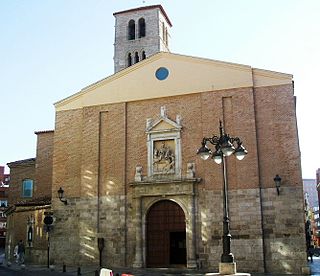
<point>164,146</point>
<point>164,152</point>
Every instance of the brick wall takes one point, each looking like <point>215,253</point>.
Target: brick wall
<point>277,136</point>
<point>98,148</point>
<point>25,212</point>
<point>43,172</point>
<point>20,170</point>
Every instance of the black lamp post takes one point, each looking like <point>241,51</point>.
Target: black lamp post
<point>224,146</point>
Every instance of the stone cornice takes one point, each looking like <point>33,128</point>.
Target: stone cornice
<point>151,181</point>
<point>24,162</point>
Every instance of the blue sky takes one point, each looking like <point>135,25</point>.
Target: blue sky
<point>50,49</point>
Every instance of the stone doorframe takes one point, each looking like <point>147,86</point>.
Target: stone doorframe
<point>180,192</point>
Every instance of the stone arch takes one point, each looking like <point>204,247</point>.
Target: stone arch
<point>143,55</point>
<point>131,30</point>
<point>142,27</point>
<point>165,232</point>
<point>177,201</point>
<point>136,57</point>
<point>129,59</point>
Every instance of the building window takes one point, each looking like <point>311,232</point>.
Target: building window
<point>131,30</point>
<point>143,56</point>
<point>3,203</point>
<point>27,188</point>
<point>162,73</point>
<point>142,27</point>
<point>129,59</point>
<point>136,57</point>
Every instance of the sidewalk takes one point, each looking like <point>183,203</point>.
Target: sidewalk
<point>39,270</point>
<point>315,266</point>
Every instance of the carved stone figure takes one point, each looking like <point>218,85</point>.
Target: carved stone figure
<point>163,159</point>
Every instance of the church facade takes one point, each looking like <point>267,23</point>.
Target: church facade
<point>125,155</point>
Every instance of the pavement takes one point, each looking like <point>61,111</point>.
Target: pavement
<point>40,270</point>
<point>315,266</point>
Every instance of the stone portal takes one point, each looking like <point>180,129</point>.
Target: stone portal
<point>166,235</point>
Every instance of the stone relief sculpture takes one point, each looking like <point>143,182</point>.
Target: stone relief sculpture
<point>163,157</point>
<point>164,147</point>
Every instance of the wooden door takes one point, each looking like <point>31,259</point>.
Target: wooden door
<point>166,234</point>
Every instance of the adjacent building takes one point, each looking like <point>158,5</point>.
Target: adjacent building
<point>310,190</point>
<point>29,199</point>
<point>4,187</point>
<point>318,185</point>
<point>312,212</point>
<point>124,153</point>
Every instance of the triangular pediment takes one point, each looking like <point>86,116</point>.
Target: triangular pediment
<point>163,124</point>
<point>186,75</point>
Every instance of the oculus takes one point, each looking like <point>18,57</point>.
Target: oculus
<point>162,73</point>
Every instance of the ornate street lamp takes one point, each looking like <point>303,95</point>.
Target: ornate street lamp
<point>224,146</point>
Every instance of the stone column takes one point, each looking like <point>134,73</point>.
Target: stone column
<point>192,262</point>
<point>138,257</point>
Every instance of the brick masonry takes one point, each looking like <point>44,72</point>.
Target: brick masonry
<point>24,212</point>
<point>96,151</point>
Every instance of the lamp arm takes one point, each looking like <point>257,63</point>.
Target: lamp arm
<point>214,140</point>
<point>236,140</point>
<point>64,201</point>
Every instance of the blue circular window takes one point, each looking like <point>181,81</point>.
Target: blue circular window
<point>162,73</point>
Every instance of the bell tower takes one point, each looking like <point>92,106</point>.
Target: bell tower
<point>140,33</point>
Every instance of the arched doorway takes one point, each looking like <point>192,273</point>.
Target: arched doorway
<point>166,235</point>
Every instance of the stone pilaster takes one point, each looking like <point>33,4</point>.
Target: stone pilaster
<point>138,263</point>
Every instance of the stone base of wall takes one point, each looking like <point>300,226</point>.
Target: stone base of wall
<point>284,232</point>
<point>74,239</point>
<point>36,256</point>
<point>278,218</point>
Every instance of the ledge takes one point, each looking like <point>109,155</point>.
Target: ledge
<point>150,181</point>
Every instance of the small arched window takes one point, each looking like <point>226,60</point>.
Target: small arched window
<point>142,27</point>
<point>131,30</point>
<point>143,55</point>
<point>27,188</point>
<point>129,59</point>
<point>136,57</point>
